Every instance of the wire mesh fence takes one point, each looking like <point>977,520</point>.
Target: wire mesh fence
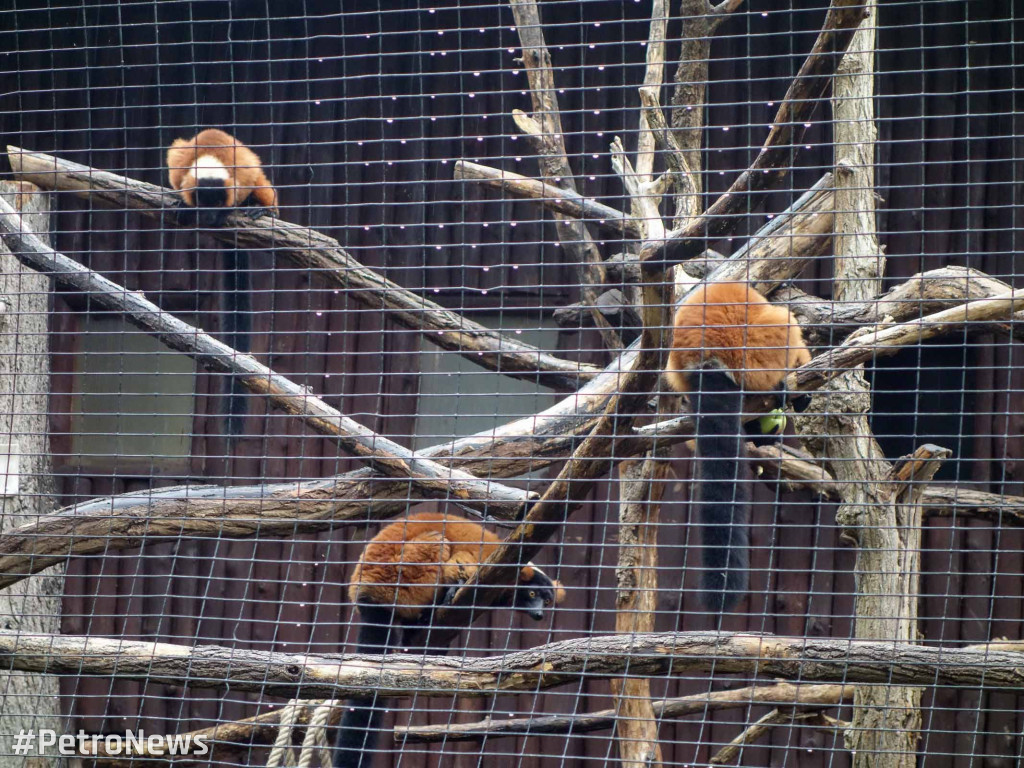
<point>622,383</point>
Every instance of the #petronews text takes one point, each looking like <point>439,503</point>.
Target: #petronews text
<point>130,744</point>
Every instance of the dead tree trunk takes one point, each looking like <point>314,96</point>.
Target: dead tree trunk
<point>886,720</point>
<point>29,700</point>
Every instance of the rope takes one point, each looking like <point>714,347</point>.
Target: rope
<point>314,743</point>
<point>281,753</point>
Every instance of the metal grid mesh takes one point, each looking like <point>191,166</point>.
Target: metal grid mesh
<point>217,592</point>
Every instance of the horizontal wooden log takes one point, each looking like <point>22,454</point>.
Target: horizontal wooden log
<point>772,164</point>
<point>383,454</point>
<point>783,694</point>
<point>261,729</point>
<point>116,523</point>
<point>952,501</point>
<point>564,201</point>
<point>843,661</point>
<point>312,250</point>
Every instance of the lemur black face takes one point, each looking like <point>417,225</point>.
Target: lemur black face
<point>533,600</point>
<point>211,200</point>
<point>535,596</point>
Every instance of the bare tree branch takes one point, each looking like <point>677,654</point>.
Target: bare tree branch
<point>310,249</point>
<point>770,167</point>
<point>382,454</point>
<point>727,6</point>
<point>888,339</point>
<point>551,197</point>
<point>698,704</point>
<point>545,131</point>
<point>753,732</point>
<point>825,322</point>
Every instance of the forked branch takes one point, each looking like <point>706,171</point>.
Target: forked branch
<point>772,163</point>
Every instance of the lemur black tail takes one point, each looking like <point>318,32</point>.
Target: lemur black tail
<point>237,308</point>
<point>723,494</point>
<point>360,722</point>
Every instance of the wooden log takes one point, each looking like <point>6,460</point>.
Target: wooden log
<point>888,571</point>
<point>642,484</point>
<point>314,251</point>
<point>888,339</point>
<point>956,501</point>
<point>567,662</point>
<point>383,454</point>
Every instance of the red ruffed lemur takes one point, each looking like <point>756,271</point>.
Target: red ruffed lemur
<point>215,174</point>
<point>410,568</point>
<point>727,341</point>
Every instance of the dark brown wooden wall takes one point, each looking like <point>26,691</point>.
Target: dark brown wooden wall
<point>360,116</point>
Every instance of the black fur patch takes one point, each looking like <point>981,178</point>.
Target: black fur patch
<point>211,193</point>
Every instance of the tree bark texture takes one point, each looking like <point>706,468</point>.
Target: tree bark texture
<point>28,700</point>
<point>528,671</point>
<point>642,484</point>
<point>885,723</point>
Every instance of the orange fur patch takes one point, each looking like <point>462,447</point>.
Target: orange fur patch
<point>408,561</point>
<point>559,592</point>
<point>758,342</point>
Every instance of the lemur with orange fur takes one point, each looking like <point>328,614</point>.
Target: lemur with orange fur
<point>728,340</point>
<point>215,173</point>
<point>407,570</point>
